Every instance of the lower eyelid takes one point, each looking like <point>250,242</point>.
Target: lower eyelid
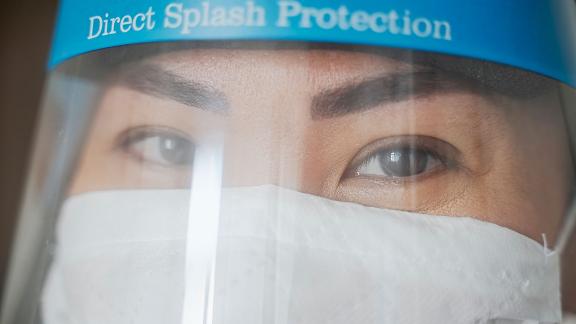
<point>381,180</point>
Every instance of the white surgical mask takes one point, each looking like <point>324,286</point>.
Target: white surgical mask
<point>285,257</point>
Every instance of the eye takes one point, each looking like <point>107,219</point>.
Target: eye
<point>399,163</point>
<point>161,146</point>
<point>402,157</point>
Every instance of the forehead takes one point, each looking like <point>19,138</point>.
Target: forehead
<point>315,65</point>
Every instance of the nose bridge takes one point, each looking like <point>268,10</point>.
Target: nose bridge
<point>266,143</point>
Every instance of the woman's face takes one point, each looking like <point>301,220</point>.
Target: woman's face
<point>349,126</point>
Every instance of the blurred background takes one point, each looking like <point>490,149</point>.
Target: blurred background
<point>25,36</point>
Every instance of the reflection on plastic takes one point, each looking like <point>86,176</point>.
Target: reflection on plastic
<point>202,235</point>
<point>290,258</point>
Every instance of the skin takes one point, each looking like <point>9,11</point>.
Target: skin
<point>503,160</point>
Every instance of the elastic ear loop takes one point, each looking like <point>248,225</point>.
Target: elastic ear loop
<point>568,228</point>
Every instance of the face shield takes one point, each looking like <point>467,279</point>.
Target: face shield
<point>294,163</point>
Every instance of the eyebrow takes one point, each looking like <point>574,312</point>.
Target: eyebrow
<point>354,97</point>
<point>371,93</point>
<point>158,82</point>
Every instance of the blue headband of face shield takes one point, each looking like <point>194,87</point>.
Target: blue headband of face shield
<point>535,35</point>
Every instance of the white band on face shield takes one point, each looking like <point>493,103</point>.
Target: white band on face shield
<point>291,258</point>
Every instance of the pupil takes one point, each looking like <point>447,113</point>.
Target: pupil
<point>176,150</point>
<point>403,162</point>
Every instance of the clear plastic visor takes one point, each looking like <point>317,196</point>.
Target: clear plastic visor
<point>296,183</point>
